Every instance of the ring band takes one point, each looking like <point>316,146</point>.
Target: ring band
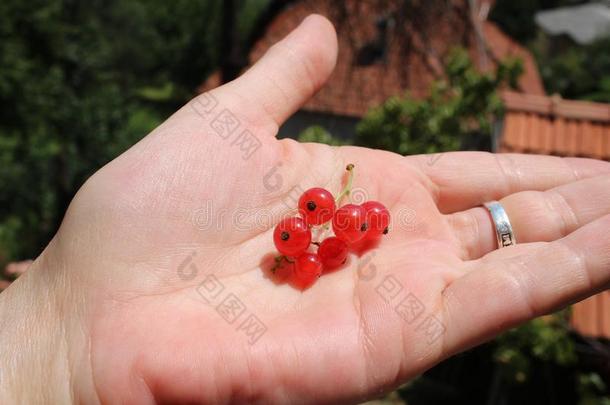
<point>504,231</point>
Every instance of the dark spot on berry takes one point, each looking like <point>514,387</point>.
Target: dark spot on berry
<point>285,236</point>
<point>364,227</point>
<point>385,231</point>
<point>311,206</point>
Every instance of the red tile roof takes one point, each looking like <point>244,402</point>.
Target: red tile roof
<point>591,317</point>
<point>503,47</point>
<point>354,88</point>
<point>553,126</point>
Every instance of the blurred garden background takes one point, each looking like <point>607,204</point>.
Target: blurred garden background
<point>82,81</point>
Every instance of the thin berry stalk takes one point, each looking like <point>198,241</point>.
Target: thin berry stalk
<point>348,186</point>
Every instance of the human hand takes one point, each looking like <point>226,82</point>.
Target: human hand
<point>114,311</point>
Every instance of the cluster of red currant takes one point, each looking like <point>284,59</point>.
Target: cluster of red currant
<point>351,223</point>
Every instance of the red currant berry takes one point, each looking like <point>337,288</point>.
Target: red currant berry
<point>349,223</point>
<point>307,268</point>
<point>317,206</point>
<point>332,252</point>
<point>292,236</point>
<point>377,219</point>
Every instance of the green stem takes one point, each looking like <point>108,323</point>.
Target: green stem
<point>278,262</point>
<point>348,186</point>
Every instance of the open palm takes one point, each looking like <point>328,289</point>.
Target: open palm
<point>165,253</point>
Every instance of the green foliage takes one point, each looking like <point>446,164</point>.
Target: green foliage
<point>577,72</point>
<point>568,69</point>
<point>457,114</point>
<point>80,82</point>
<point>592,390</point>
<point>316,133</point>
<point>516,17</point>
<point>545,339</point>
<point>247,14</point>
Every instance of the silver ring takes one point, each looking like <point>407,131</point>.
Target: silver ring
<point>504,231</point>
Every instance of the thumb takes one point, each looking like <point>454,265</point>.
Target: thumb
<point>289,73</point>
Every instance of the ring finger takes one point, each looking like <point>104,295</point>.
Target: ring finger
<point>536,216</point>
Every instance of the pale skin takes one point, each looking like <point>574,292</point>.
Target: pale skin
<point>105,316</point>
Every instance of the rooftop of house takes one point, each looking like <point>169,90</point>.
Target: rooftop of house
<point>378,59</point>
<point>554,126</point>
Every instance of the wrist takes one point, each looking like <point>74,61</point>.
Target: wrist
<point>34,346</point>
